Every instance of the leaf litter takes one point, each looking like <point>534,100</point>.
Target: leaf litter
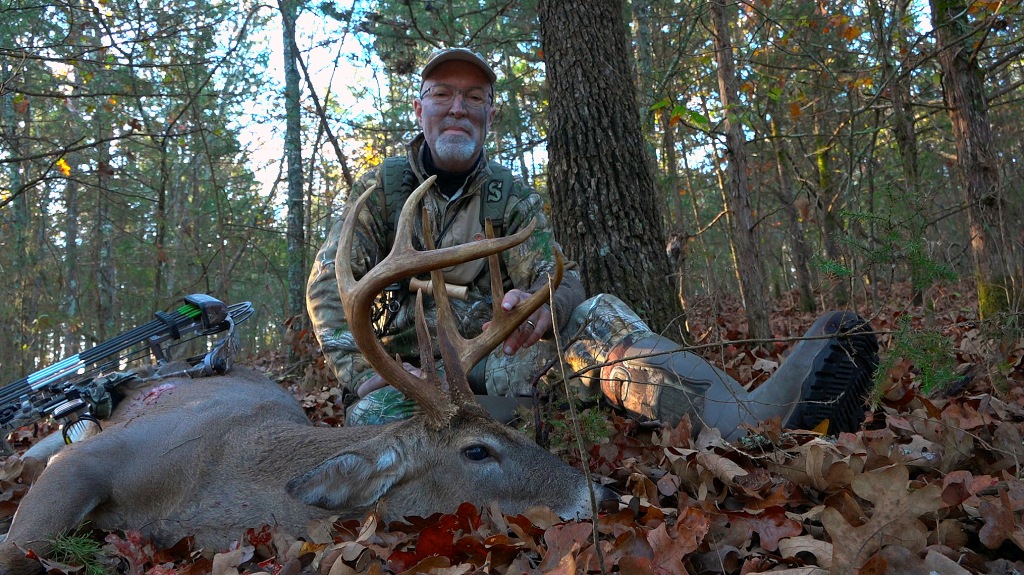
<point>931,484</point>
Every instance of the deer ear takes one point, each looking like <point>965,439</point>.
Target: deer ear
<point>350,479</point>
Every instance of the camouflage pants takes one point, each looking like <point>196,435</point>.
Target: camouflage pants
<point>615,354</point>
<point>597,339</point>
<point>599,331</point>
<point>596,325</point>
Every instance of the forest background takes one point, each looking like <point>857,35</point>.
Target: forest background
<point>801,157</point>
<point>732,170</point>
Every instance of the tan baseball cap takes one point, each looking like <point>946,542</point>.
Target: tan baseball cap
<point>464,54</point>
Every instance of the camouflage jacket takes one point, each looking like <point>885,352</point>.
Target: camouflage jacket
<point>524,267</point>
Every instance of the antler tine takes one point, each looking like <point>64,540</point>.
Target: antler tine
<point>402,262</point>
<point>458,390</point>
<point>357,298</point>
<point>466,353</point>
<point>406,261</point>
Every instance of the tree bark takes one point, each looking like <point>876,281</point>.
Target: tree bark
<point>645,62</point>
<point>797,232</point>
<point>963,87</point>
<point>71,307</point>
<point>743,232</point>
<point>14,353</point>
<point>605,205</point>
<point>297,267</point>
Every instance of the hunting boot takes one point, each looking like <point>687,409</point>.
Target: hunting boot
<point>841,372</point>
<point>826,376</point>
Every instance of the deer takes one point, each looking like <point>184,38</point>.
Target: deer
<point>209,458</point>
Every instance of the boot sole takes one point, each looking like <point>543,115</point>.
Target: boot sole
<point>843,377</point>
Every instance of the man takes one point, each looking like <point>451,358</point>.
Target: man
<point>605,342</point>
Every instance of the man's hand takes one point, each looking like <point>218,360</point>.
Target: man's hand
<point>531,330</point>
<point>376,381</point>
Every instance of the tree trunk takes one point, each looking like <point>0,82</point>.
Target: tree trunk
<point>827,206</point>
<point>906,142</point>
<point>107,283</point>
<point>743,233</point>
<point>963,87</point>
<point>71,305</point>
<point>605,205</point>
<point>645,64</point>
<point>797,232</point>
<point>13,354</point>
<point>297,268</point>
<point>106,269</point>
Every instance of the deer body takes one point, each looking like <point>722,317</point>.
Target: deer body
<point>212,457</point>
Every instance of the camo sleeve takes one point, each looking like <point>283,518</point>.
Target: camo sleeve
<point>530,263</point>
<point>322,298</point>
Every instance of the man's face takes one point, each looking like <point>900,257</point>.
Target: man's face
<point>455,131</point>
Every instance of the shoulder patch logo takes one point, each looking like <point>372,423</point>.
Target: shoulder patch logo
<point>493,190</point>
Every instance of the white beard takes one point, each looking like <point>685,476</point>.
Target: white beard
<point>455,148</point>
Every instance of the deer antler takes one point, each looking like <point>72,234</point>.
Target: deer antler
<point>405,261</point>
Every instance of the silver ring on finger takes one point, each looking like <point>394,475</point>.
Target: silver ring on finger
<point>532,325</point>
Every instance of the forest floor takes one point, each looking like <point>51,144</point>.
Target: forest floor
<point>932,483</point>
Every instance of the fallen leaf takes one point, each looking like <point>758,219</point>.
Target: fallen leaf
<point>11,468</point>
<point>766,365</point>
<point>1000,523</point>
<point>563,539</point>
<point>227,563</point>
<point>936,562</point>
<point>894,518</point>
<point>723,468</point>
<point>793,546</point>
<point>668,553</point>
<point>695,523</point>
<point>819,463</point>
<point>135,548</point>
<point>771,525</point>
<point>566,564</point>
<point>636,565</point>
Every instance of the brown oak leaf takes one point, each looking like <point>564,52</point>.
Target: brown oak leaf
<point>668,554</point>
<point>894,518</point>
<point>770,526</point>
<point>1000,523</point>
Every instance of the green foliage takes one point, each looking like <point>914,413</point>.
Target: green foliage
<point>900,243</point>
<point>832,267</point>
<point>895,232</point>
<point>930,351</point>
<point>331,10</point>
<point>593,425</point>
<point>80,550</point>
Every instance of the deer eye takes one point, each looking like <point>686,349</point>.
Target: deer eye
<point>476,453</point>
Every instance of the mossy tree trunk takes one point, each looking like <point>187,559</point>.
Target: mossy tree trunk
<point>963,87</point>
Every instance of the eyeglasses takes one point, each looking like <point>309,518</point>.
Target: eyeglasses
<point>443,94</point>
